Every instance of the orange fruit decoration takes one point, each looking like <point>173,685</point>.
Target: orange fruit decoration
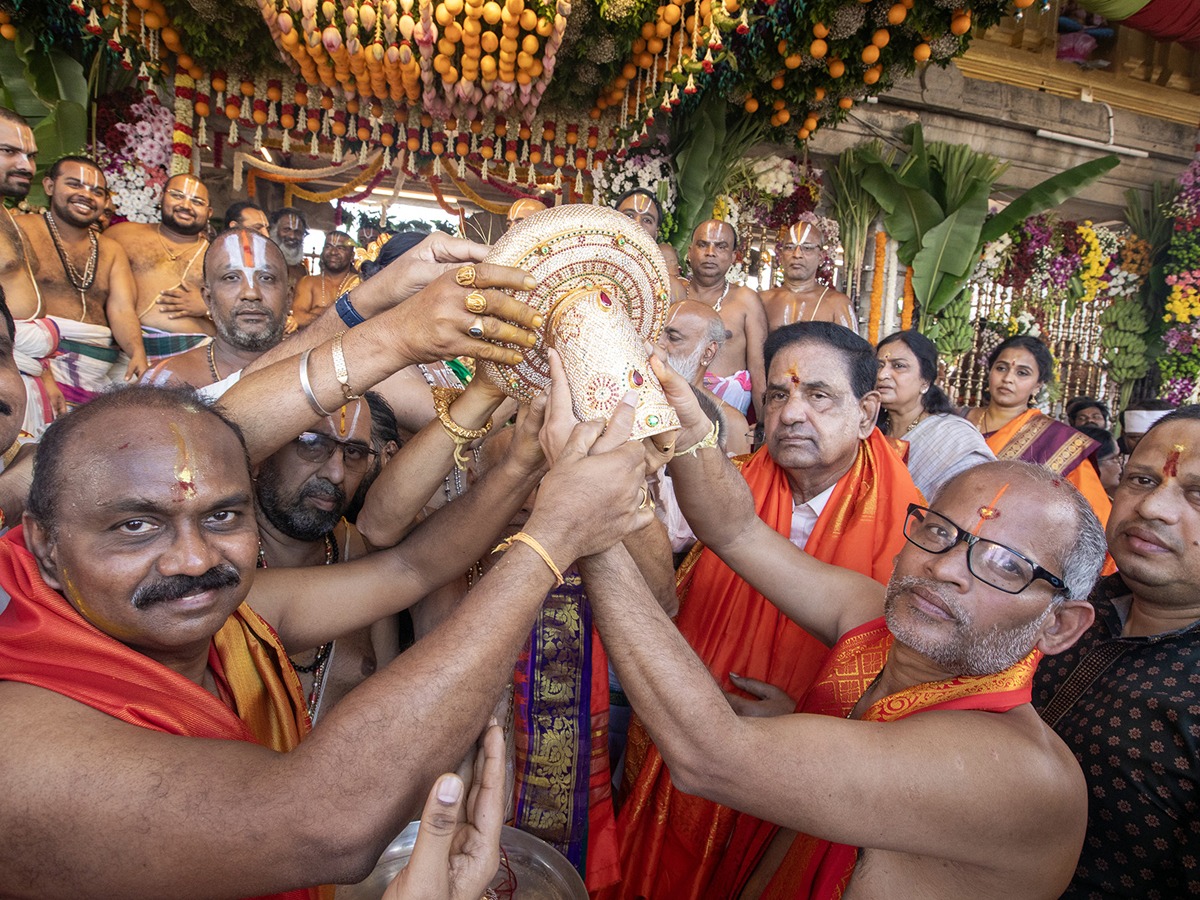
<point>881,37</point>
<point>820,31</point>
<point>870,54</point>
<point>837,68</point>
<point>818,49</point>
<point>961,23</point>
<point>921,52</point>
<point>751,105</point>
<point>898,13</point>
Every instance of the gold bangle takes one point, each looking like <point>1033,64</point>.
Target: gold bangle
<point>442,398</point>
<point>709,440</point>
<point>339,368</point>
<point>537,548</point>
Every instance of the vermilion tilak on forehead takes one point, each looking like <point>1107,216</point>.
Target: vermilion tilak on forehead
<point>989,511</point>
<point>1171,466</point>
<point>185,474</point>
<point>247,249</point>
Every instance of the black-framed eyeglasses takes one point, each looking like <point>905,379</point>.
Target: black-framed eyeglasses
<point>312,446</point>
<point>994,564</point>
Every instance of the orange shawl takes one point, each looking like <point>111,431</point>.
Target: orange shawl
<point>816,869</point>
<point>671,842</point>
<point>1035,437</point>
<point>45,642</point>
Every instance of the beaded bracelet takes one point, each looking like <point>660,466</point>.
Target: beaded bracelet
<point>709,440</point>
<point>442,398</point>
<point>537,548</point>
<point>347,312</point>
<point>307,386</point>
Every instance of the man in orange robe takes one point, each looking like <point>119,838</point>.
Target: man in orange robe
<point>975,795</point>
<point>825,466</point>
<point>125,635</point>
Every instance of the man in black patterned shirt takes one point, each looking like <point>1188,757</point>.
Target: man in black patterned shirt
<point>1126,697</point>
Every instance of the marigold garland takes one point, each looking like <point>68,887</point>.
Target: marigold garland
<point>876,310</point>
<point>292,190</point>
<point>181,136</point>
<point>906,311</point>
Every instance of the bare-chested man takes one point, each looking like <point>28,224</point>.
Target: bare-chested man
<point>801,249</point>
<point>35,338</point>
<point>642,208</point>
<point>245,289</point>
<point>316,293</point>
<point>692,338</point>
<point>86,286</point>
<point>736,375</point>
<point>288,230</point>
<point>166,260</point>
<point>18,160</point>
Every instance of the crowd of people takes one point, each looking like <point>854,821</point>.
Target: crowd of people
<point>278,560</point>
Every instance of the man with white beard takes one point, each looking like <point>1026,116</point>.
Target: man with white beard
<point>692,338</point>
<point>288,229</point>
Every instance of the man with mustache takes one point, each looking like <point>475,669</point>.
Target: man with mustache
<point>166,260</point>
<point>288,230</point>
<point>1124,697</point>
<point>827,481</point>
<point>316,293</point>
<point>692,338</point>
<point>966,792</point>
<point>177,729</point>
<point>86,285</point>
<point>801,249</point>
<point>35,338</point>
<point>245,292</point>
<point>736,375</point>
<point>303,491</point>
<point>249,215</point>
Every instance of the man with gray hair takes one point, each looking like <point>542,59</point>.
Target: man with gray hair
<point>692,338</point>
<point>976,795</point>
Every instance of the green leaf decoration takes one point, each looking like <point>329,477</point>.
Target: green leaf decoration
<point>57,76</point>
<point>16,90</point>
<point>1046,195</point>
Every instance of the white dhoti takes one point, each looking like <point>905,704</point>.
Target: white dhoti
<point>35,342</point>
<point>88,362</point>
<point>734,389</point>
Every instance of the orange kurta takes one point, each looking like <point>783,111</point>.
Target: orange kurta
<point>671,842</point>
<point>45,642</point>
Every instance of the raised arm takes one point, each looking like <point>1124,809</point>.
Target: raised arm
<point>415,473</point>
<point>432,324</point>
<point>932,781</point>
<point>81,788</point>
<point>827,601</point>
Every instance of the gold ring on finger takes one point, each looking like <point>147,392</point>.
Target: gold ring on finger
<point>645,495</point>
<point>465,276</point>
<point>476,329</point>
<point>476,302</point>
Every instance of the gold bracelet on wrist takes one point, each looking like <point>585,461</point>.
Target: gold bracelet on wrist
<point>709,440</point>
<point>339,368</point>
<point>442,398</point>
<point>537,548</point>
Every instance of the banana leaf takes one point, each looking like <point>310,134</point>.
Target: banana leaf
<point>57,76</point>
<point>914,172</point>
<point>16,91</point>
<point>908,212</point>
<point>62,133</point>
<point>1046,195</point>
<point>699,154</point>
<point>950,249</point>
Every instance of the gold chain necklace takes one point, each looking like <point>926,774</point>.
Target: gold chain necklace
<point>212,367</point>
<point>81,283</point>
<point>338,292</point>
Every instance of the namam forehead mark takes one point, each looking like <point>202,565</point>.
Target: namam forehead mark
<point>86,174</point>
<point>349,418</point>
<point>990,511</point>
<point>20,137</point>
<point>639,203</point>
<point>713,231</point>
<point>250,256</point>
<point>1171,465</point>
<point>191,188</point>
<point>798,232</point>
<point>185,471</point>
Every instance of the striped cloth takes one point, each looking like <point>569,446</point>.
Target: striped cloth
<point>161,344</point>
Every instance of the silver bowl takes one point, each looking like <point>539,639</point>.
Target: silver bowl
<point>542,873</point>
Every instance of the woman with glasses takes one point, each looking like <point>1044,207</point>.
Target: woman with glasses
<point>1015,429</point>
<point>914,409</point>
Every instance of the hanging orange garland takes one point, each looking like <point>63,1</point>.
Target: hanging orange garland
<point>906,311</point>
<point>877,287</point>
